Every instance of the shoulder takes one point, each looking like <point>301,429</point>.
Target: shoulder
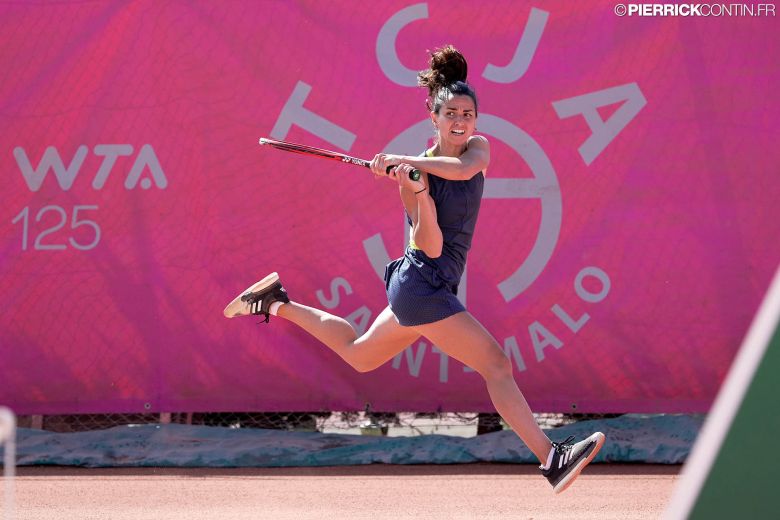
<point>478,140</point>
<point>481,145</point>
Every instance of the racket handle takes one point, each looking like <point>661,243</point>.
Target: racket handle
<point>414,174</point>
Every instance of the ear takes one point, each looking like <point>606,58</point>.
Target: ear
<point>433,120</point>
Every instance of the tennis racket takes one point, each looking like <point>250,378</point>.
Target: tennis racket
<point>325,154</point>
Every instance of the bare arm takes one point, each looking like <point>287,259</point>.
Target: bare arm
<point>425,228</point>
<point>474,160</point>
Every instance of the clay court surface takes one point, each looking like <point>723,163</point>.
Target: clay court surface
<point>603,491</point>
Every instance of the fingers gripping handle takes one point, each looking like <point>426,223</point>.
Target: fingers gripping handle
<point>414,174</point>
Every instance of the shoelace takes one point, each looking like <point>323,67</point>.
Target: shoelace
<point>565,445</point>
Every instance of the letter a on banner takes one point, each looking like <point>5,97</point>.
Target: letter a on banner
<point>603,131</point>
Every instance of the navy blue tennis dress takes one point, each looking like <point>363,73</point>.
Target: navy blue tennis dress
<point>424,290</point>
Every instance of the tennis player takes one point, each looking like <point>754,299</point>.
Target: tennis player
<point>442,209</point>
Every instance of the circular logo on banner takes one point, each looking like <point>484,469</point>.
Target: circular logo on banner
<point>544,186</point>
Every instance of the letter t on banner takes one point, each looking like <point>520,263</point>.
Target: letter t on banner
<point>294,113</point>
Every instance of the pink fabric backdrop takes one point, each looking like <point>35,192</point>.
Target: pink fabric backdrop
<point>629,228</point>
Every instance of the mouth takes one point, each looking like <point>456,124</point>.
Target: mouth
<point>458,132</point>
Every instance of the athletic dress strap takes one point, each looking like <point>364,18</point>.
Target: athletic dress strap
<point>421,289</point>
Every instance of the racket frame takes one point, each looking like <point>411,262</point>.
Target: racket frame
<point>303,149</point>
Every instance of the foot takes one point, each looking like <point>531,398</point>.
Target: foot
<point>257,299</point>
<point>569,459</point>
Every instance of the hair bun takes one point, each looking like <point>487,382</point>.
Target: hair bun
<point>447,66</point>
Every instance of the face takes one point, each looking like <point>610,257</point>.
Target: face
<point>456,120</point>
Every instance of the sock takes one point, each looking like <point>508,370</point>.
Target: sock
<point>274,307</point>
<point>549,460</point>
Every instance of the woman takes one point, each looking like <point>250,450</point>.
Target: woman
<point>442,208</point>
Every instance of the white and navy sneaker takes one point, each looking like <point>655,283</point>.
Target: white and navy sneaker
<point>568,459</point>
<point>258,298</point>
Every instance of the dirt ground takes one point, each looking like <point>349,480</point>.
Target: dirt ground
<point>481,491</point>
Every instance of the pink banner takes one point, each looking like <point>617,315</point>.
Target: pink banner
<point>628,230</point>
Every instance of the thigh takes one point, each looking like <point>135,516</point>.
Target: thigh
<point>386,337</point>
<point>464,338</point>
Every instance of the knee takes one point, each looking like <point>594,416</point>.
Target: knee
<point>499,366</point>
<point>362,366</point>
<point>357,360</point>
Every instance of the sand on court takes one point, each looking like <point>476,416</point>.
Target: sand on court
<point>377,491</point>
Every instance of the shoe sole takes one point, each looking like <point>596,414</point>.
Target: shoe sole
<point>569,480</point>
<point>238,307</point>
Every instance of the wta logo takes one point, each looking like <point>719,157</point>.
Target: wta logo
<point>145,169</point>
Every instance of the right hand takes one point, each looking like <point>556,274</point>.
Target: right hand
<point>382,161</point>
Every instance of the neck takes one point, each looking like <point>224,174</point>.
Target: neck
<point>449,150</point>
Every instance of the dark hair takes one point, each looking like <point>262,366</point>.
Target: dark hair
<point>446,77</point>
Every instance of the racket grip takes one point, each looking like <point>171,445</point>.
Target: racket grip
<point>414,174</point>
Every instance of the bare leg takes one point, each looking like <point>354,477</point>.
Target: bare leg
<point>381,342</point>
<point>462,337</point>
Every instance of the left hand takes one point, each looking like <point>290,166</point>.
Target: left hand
<point>401,174</point>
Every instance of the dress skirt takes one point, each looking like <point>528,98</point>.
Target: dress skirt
<point>417,294</point>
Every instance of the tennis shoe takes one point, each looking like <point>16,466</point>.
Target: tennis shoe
<point>567,459</point>
<point>257,299</point>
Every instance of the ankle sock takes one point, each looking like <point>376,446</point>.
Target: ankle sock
<point>275,307</point>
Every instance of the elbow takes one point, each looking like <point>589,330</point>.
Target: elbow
<point>434,250</point>
<point>429,243</point>
<point>432,253</point>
